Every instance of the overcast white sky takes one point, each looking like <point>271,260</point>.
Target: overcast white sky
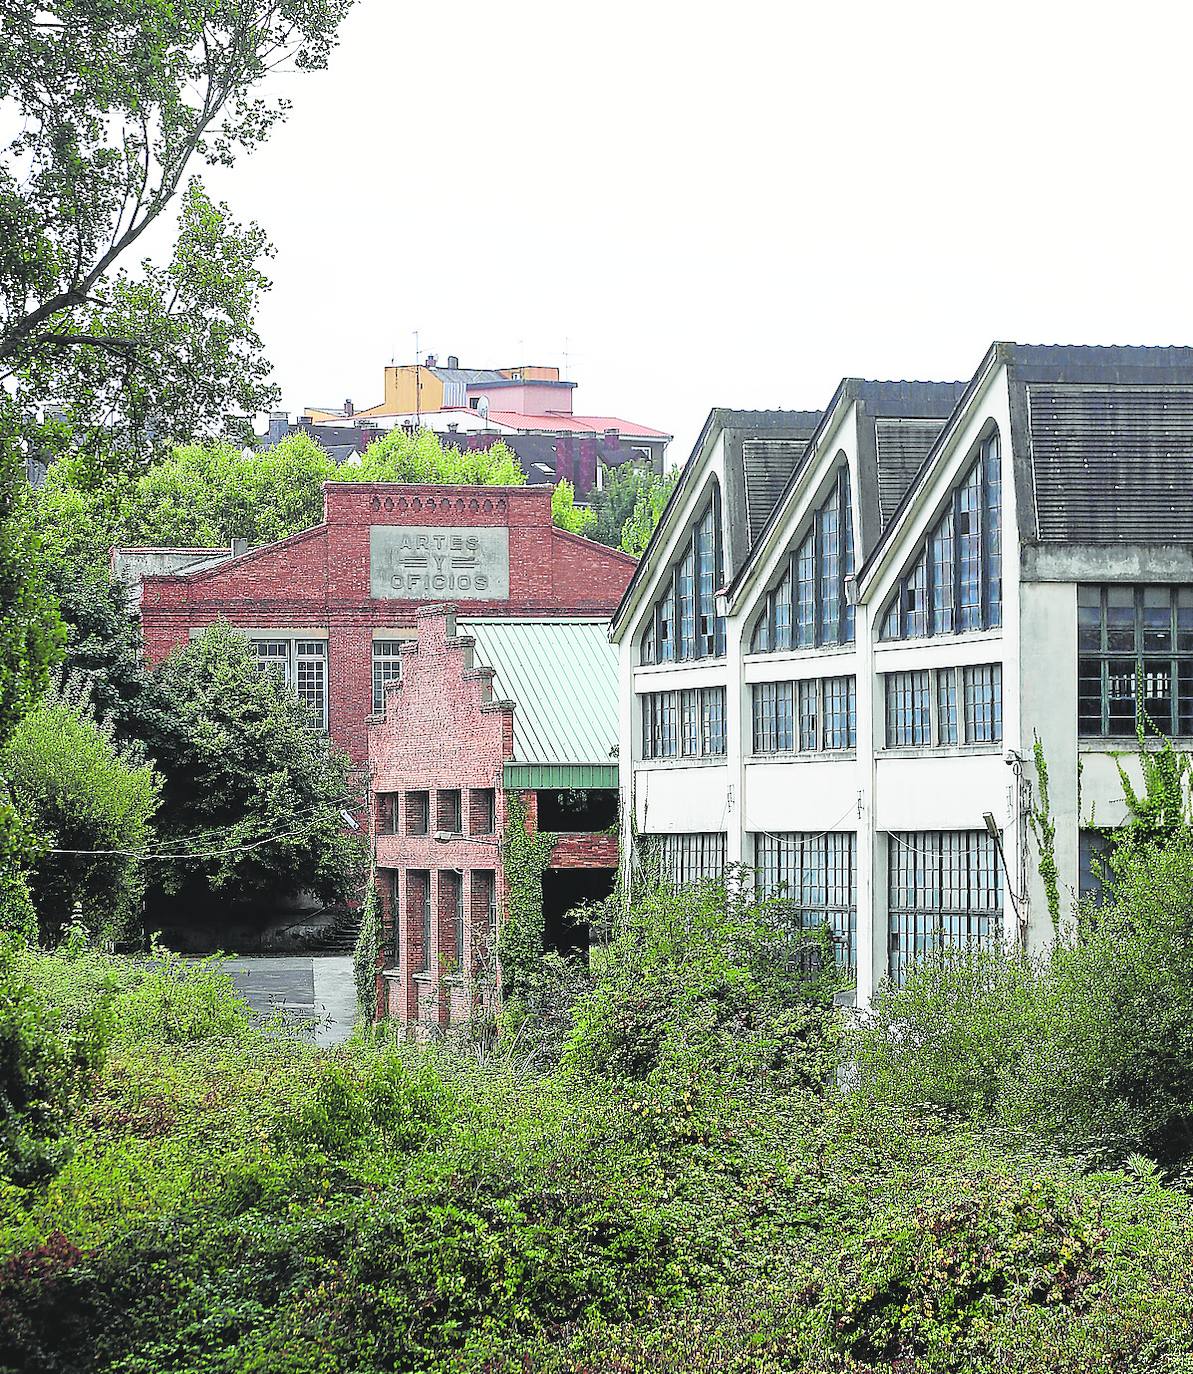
<point>724,204</point>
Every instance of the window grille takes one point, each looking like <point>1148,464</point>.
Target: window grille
<point>811,714</point>
<point>815,877</point>
<point>954,581</point>
<point>911,696</point>
<point>690,858</point>
<point>807,604</point>
<point>311,678</point>
<point>302,665</point>
<point>387,667</point>
<point>945,891</point>
<point>684,623</point>
<point>1131,638</point>
<point>690,723</point>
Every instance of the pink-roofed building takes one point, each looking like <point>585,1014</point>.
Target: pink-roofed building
<point>530,409</point>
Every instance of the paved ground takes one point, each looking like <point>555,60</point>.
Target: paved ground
<point>303,987</point>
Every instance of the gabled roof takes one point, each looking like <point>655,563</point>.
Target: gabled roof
<point>898,421</point>
<point>1103,433</point>
<point>562,677</point>
<point>769,425</point>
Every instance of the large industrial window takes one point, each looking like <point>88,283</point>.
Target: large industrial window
<point>691,858</point>
<point>812,714</point>
<point>945,890</point>
<point>302,666</point>
<point>806,604</point>
<point>955,581</point>
<point>815,876</point>
<point>1131,640</point>
<point>688,724</point>
<point>387,667</point>
<point>928,706</point>
<point>684,623</point>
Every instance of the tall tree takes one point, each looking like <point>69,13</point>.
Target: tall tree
<point>194,366</point>
<point>113,99</point>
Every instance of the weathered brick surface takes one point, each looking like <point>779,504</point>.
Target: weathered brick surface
<point>319,579</point>
<point>442,730</point>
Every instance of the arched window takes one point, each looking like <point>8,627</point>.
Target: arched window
<point>807,605</point>
<point>955,580</point>
<point>684,623</point>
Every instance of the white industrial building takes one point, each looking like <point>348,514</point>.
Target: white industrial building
<point>850,628</point>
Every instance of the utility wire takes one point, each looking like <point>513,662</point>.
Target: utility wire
<point>195,854</point>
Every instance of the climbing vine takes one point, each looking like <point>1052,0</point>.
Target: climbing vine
<point>1043,827</point>
<point>367,952</point>
<point>525,859</point>
<point>1160,810</point>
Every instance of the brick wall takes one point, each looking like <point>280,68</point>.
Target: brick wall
<point>319,579</point>
<point>442,731</point>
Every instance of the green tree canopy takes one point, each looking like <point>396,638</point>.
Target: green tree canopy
<point>112,103</point>
<point>251,788</point>
<point>566,514</point>
<point>629,505</point>
<point>78,793</point>
<point>192,364</point>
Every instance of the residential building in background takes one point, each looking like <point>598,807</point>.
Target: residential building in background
<point>529,409</point>
<point>330,607</point>
<point>847,705</point>
<point>488,721</point>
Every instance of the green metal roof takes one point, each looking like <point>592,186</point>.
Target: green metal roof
<point>562,675</point>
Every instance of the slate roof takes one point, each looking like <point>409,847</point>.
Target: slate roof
<point>1112,463</point>
<point>902,445</point>
<point>769,464</point>
<point>562,675</point>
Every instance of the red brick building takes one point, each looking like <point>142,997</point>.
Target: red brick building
<point>330,606</point>
<point>486,710</point>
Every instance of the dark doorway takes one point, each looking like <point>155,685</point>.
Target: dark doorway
<point>586,809</point>
<point>564,889</point>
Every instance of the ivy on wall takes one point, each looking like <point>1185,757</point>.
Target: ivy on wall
<point>525,858</point>
<point>1043,827</point>
<point>368,951</point>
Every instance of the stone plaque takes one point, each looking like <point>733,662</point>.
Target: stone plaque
<point>431,563</point>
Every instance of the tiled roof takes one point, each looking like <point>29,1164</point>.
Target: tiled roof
<point>768,465</point>
<point>902,445</point>
<point>584,424</point>
<point>562,675</point>
<point>1112,462</point>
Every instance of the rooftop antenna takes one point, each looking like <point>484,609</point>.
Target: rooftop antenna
<point>418,385</point>
<point>565,359</point>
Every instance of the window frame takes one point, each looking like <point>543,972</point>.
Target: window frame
<point>929,712</point>
<point>918,606</point>
<point>1106,665</point>
<point>385,656</point>
<point>681,717</point>
<point>781,875</point>
<point>800,588</point>
<point>779,711</point>
<point>685,625</point>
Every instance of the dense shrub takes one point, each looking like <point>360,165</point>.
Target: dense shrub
<point>1088,1045</point>
<point>78,791</point>
<point>44,1071</point>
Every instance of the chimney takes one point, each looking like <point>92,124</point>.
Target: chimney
<point>429,360</point>
<point>239,546</point>
<point>452,360</point>
<point>349,409</point>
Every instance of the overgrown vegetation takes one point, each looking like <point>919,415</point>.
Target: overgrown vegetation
<point>688,1186</point>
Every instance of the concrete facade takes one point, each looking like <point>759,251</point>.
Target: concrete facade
<point>906,821</point>
<point>326,598</point>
